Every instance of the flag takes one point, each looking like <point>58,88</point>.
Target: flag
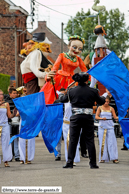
<point>113,74</point>
<point>125,129</point>
<point>52,127</point>
<point>36,117</point>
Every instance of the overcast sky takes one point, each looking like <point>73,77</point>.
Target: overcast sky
<point>68,7</point>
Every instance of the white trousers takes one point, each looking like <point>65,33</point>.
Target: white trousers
<point>110,146</point>
<point>5,138</point>
<point>65,133</point>
<point>30,147</point>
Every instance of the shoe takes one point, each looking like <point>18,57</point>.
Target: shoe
<point>124,148</point>
<point>10,160</point>
<point>115,161</point>
<point>29,162</point>
<point>74,164</point>
<point>58,158</point>
<point>84,155</point>
<point>17,159</point>
<point>6,164</point>
<point>21,162</point>
<point>68,165</point>
<point>102,161</point>
<point>93,166</point>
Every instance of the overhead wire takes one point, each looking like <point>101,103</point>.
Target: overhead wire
<point>41,15</point>
<point>72,4</point>
<point>52,9</point>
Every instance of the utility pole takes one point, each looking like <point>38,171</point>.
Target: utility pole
<point>98,19</point>
<point>16,72</point>
<point>62,42</point>
<point>72,26</point>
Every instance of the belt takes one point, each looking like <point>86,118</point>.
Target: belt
<point>87,111</point>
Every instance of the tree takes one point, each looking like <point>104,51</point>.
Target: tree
<point>114,25</point>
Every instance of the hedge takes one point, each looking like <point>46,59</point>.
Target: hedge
<point>4,82</point>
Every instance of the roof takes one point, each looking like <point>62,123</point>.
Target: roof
<point>13,7</point>
<point>48,30</point>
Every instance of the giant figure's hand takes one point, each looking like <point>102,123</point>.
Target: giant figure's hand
<point>50,74</point>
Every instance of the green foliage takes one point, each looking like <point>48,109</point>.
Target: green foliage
<point>4,82</point>
<point>114,25</point>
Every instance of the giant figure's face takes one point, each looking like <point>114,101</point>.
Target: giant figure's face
<point>29,47</point>
<point>45,48</point>
<point>75,48</point>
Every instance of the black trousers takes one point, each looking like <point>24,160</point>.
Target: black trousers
<point>85,122</point>
<point>83,144</point>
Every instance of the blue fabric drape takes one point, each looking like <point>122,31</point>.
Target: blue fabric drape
<point>125,129</point>
<point>52,127</point>
<point>36,117</point>
<point>113,74</point>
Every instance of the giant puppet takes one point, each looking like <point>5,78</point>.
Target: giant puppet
<point>100,46</point>
<point>34,69</point>
<point>36,65</point>
<point>101,50</point>
<point>69,62</point>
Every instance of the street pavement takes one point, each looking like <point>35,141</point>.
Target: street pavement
<point>45,171</point>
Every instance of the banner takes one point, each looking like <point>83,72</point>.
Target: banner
<point>36,117</point>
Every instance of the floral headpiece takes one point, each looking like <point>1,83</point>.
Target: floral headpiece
<point>77,37</point>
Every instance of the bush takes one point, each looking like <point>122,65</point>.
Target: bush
<point>4,82</point>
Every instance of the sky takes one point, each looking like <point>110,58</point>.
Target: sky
<point>70,8</point>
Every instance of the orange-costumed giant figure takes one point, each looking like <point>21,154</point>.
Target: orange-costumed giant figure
<point>69,62</point>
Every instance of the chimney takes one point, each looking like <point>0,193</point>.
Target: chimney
<point>42,24</point>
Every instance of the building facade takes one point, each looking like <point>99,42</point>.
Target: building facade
<point>12,35</point>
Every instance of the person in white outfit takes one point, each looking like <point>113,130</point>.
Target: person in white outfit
<point>5,130</point>
<point>107,139</point>
<point>66,123</point>
<point>30,149</point>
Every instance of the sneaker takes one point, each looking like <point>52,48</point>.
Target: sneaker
<point>124,148</point>
<point>17,159</point>
<point>74,164</point>
<point>58,158</point>
<point>84,155</point>
<point>94,166</point>
<point>68,165</point>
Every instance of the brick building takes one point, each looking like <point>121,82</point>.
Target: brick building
<point>56,41</point>
<point>12,35</point>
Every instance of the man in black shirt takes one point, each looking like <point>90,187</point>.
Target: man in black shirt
<point>82,98</point>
